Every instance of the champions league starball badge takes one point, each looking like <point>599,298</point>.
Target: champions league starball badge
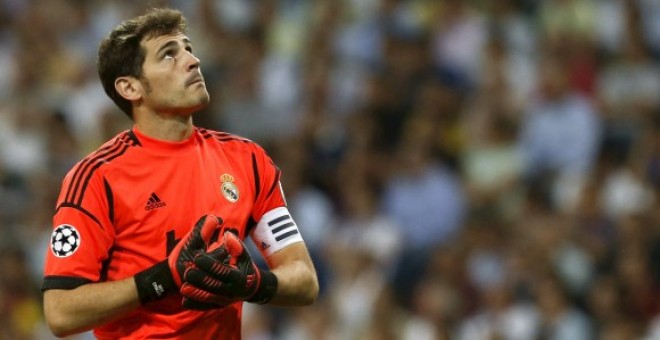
<point>228,188</point>
<point>65,240</point>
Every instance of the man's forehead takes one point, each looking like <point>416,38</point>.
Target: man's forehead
<point>152,43</point>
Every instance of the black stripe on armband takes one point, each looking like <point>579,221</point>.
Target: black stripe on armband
<point>285,235</point>
<point>282,227</point>
<point>63,282</point>
<point>278,220</point>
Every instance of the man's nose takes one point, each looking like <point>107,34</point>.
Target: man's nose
<point>193,62</point>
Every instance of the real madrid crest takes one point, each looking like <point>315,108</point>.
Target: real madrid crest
<point>228,188</point>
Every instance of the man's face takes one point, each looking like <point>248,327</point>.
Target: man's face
<point>172,80</point>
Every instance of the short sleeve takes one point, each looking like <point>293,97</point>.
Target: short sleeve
<point>82,233</point>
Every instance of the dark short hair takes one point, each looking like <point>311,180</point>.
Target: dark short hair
<point>120,53</point>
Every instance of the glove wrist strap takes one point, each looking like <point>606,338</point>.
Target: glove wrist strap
<point>155,282</point>
<point>266,289</point>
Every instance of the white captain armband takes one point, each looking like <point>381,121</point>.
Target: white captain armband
<point>275,230</point>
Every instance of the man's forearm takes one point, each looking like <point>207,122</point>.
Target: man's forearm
<point>297,281</point>
<point>88,306</point>
<point>297,285</point>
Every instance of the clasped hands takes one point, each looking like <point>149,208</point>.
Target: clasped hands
<point>215,275</point>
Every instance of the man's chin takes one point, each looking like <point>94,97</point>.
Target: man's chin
<point>201,101</point>
<point>191,106</point>
<point>205,99</point>
<point>200,105</point>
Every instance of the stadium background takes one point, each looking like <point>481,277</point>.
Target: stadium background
<point>459,169</point>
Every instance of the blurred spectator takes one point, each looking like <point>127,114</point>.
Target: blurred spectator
<point>560,136</point>
<point>605,299</point>
<point>459,38</point>
<point>21,310</point>
<point>499,312</point>
<point>424,196</point>
<point>653,330</point>
<point>647,21</point>
<point>641,291</point>
<point>492,164</point>
<point>500,317</point>
<point>23,149</point>
<point>628,88</point>
<point>572,19</point>
<point>426,201</point>
<point>560,319</point>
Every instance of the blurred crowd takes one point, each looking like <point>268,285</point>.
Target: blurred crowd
<point>459,169</point>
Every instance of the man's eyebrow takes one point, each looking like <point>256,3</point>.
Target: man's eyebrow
<point>172,43</point>
<point>165,46</point>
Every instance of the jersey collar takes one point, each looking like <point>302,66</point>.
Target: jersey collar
<point>163,145</point>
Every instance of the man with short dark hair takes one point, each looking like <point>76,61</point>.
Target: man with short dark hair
<point>148,230</point>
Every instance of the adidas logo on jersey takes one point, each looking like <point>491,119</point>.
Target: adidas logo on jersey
<point>154,202</point>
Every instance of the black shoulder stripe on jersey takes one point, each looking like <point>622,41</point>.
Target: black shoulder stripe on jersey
<point>87,169</point>
<point>257,184</point>
<point>275,182</point>
<point>63,282</point>
<point>230,139</point>
<point>82,167</point>
<point>133,138</point>
<point>205,133</point>
<point>78,207</point>
<point>221,134</point>
<point>72,192</point>
<point>111,201</point>
<point>227,137</point>
<point>96,166</point>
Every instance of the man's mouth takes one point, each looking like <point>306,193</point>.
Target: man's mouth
<point>194,80</point>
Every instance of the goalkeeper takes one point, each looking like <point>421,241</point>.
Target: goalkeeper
<point>148,229</point>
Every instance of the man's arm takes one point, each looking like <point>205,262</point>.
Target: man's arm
<point>80,309</point>
<point>93,304</point>
<point>229,274</point>
<point>297,283</point>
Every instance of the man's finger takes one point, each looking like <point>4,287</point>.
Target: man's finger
<point>194,293</point>
<point>218,270</point>
<point>209,227</point>
<point>204,281</point>
<point>234,247</point>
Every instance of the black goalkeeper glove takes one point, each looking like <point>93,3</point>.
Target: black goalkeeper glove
<point>166,277</point>
<point>226,275</point>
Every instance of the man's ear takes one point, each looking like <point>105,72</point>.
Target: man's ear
<point>129,88</point>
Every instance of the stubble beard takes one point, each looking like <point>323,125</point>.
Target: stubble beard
<point>200,101</point>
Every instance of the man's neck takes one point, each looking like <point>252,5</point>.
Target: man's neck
<point>173,128</point>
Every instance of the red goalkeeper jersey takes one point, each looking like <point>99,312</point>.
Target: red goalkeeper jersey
<point>125,206</point>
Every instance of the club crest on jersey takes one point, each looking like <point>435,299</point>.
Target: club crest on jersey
<point>228,188</point>
<point>65,240</point>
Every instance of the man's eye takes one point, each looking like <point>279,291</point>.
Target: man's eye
<point>168,55</point>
